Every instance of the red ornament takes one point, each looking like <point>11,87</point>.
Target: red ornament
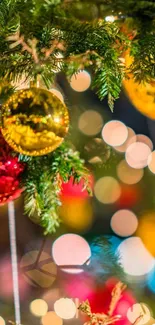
<point>101,298</point>
<point>71,189</point>
<point>10,170</point>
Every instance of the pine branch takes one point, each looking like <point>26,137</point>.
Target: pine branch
<point>42,182</point>
<point>94,43</point>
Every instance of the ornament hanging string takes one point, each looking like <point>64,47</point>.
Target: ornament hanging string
<point>13,248</point>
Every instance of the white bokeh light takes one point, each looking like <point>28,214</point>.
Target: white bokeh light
<point>2,321</point>
<point>134,257</point>
<point>81,81</point>
<point>144,139</point>
<point>71,250</point>
<point>130,139</point>
<point>115,133</point>
<point>136,310</point>
<point>38,307</point>
<point>65,308</point>
<point>137,155</point>
<point>124,223</point>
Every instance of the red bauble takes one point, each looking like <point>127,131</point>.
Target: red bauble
<point>10,170</point>
<point>75,190</point>
<point>100,301</point>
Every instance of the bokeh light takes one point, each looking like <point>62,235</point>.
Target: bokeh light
<point>110,19</point>
<point>124,223</point>
<point>130,196</point>
<point>136,310</point>
<point>151,280</point>
<point>38,307</point>
<point>115,133</point>
<point>42,274</point>
<point>107,190</point>
<point>65,308</point>
<point>144,139</point>
<point>137,155</point>
<point>57,93</point>
<point>2,321</point>
<point>71,250</point>
<point>146,231</point>
<point>90,122</point>
<point>51,318</point>
<point>127,174</point>
<point>81,81</point>
<point>151,162</point>
<point>135,258</point>
<point>77,214</point>
<point>130,139</point>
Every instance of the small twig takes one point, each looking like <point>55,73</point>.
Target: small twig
<point>116,295</point>
<point>30,47</point>
<point>55,45</point>
<point>138,319</point>
<point>40,252</point>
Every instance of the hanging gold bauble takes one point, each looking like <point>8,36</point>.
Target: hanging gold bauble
<point>34,121</point>
<point>141,95</point>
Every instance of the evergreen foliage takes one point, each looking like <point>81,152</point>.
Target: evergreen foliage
<point>75,43</point>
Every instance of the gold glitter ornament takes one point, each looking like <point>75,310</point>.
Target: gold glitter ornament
<point>34,121</point>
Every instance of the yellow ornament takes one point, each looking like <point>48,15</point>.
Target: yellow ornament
<point>34,121</point>
<point>142,95</point>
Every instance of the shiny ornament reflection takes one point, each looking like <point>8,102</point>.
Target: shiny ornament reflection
<point>34,121</point>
